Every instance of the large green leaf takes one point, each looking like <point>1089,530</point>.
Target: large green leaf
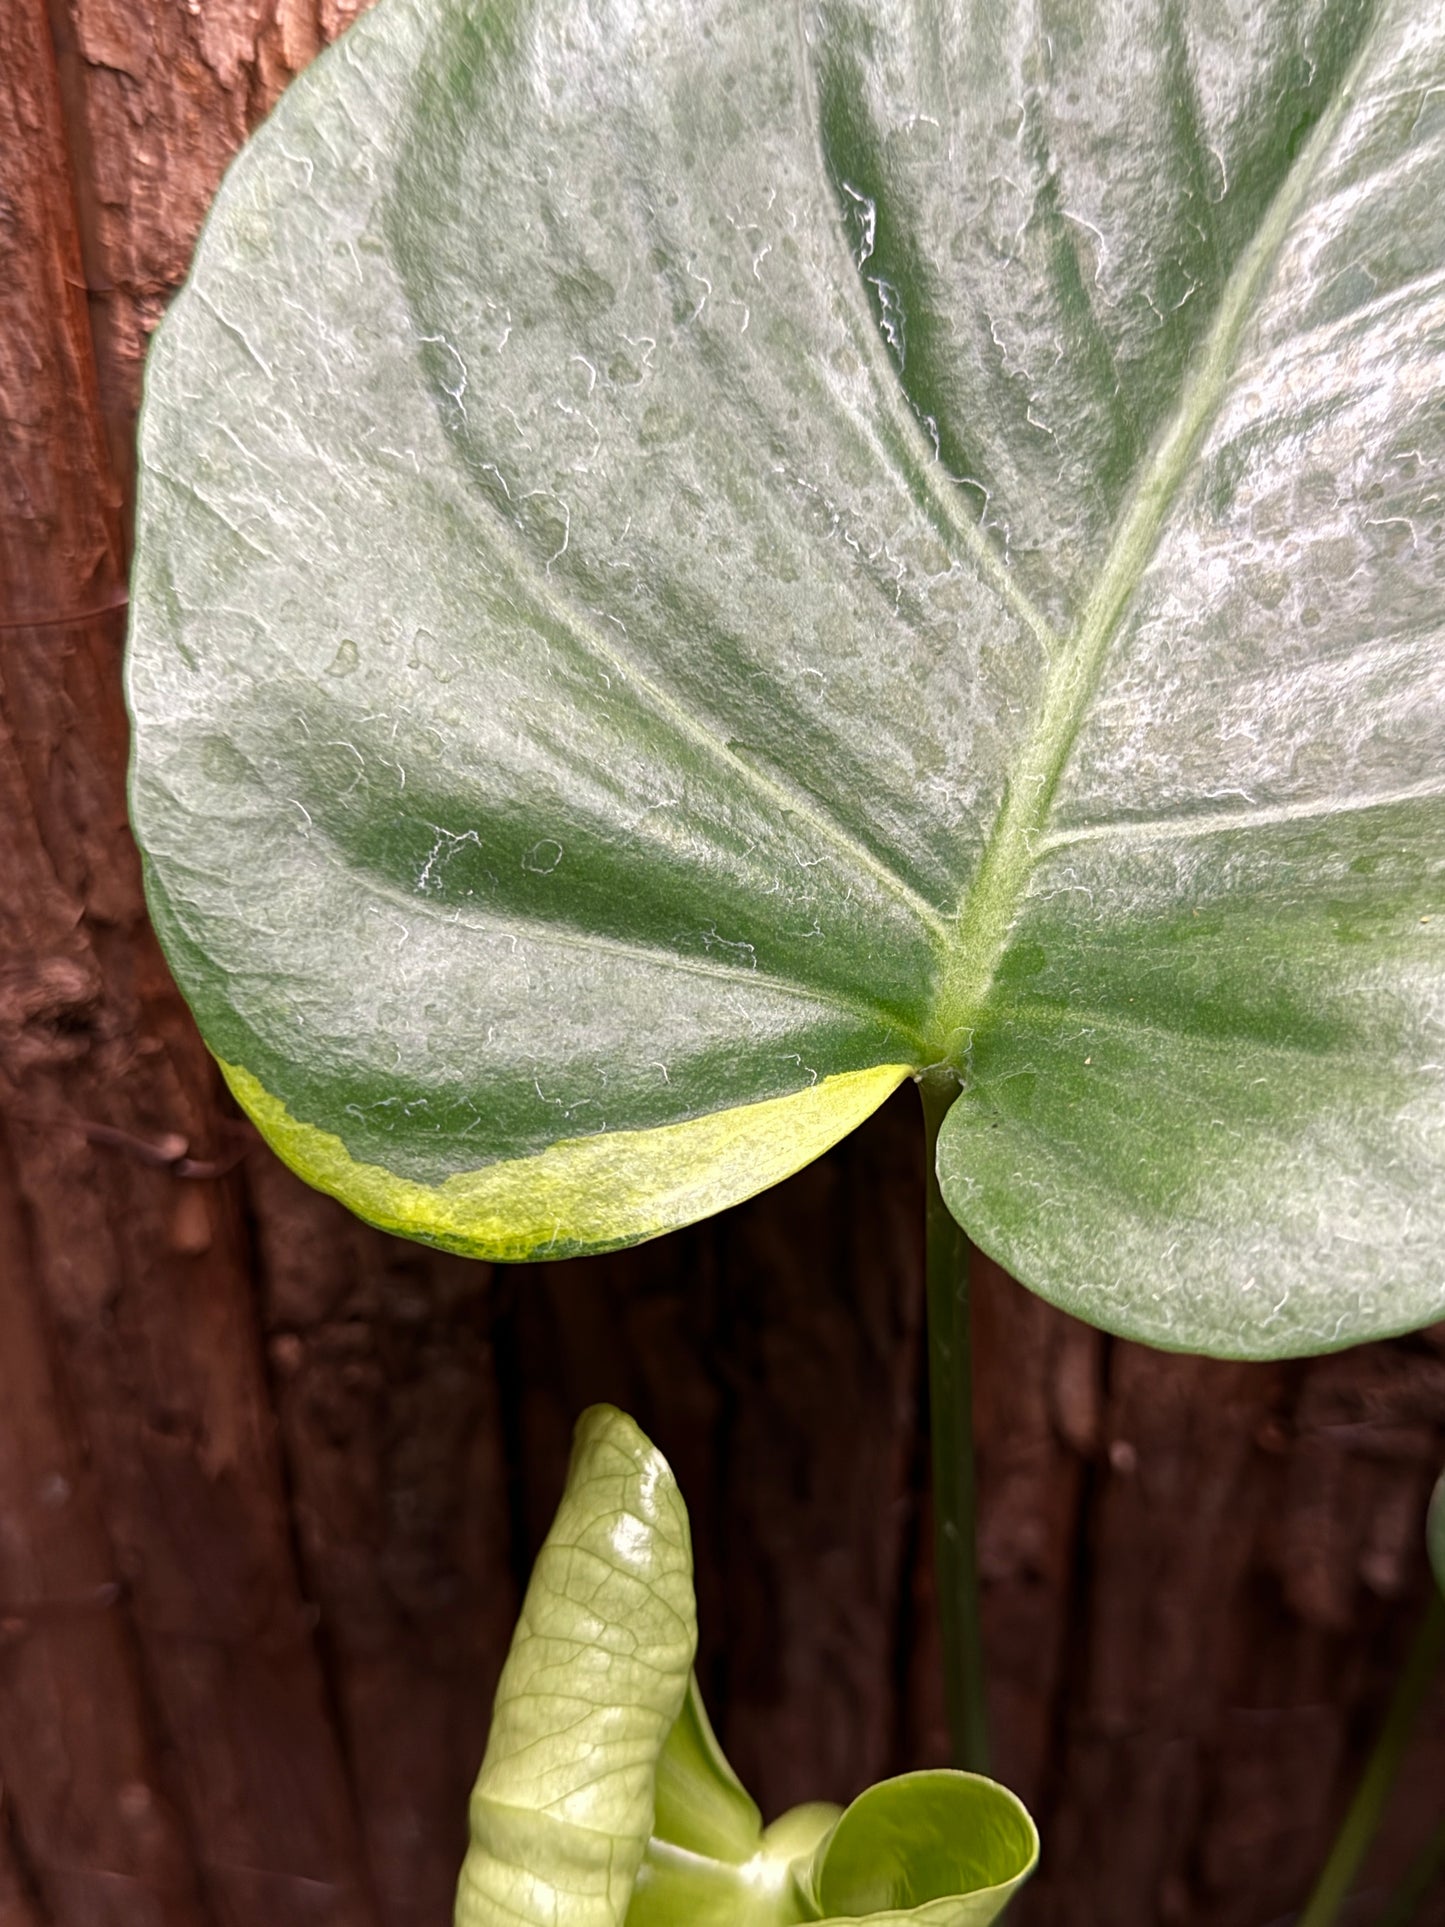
<point>604,1797</point>
<point>697,560</point>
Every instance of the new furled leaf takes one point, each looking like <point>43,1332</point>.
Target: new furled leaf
<point>605,1800</point>
<point>697,562</point>
<point>593,1684</point>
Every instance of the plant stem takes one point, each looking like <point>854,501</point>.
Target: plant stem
<point>950,1394</point>
<point>1357,1829</point>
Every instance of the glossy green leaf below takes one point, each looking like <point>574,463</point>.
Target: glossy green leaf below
<point>605,1800</point>
<point>710,557</point>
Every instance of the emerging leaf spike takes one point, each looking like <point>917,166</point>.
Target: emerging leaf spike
<point>604,1799</point>
<point>592,1686</point>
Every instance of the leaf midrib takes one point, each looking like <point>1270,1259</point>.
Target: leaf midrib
<point>990,904</point>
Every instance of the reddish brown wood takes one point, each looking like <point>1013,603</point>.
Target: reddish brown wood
<point>384,1375</point>
<point>269,1482</point>
<point>19,1902</point>
<point>76,1757</point>
<point>60,551</point>
<point>136,1281</point>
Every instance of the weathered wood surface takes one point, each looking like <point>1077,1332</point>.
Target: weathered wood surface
<point>269,1482</point>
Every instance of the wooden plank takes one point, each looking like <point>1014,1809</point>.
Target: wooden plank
<point>140,1276</point>
<point>85,1788</point>
<point>20,1903</point>
<point>385,1381</point>
<point>60,530</point>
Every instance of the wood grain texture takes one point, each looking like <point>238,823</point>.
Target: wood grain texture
<point>270,1482</point>
<point>223,1797</point>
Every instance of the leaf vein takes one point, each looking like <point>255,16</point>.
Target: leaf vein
<point>1190,823</point>
<point>914,460</point>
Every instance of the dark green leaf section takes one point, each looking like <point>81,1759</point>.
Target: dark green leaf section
<point>1184,1054</point>
<point>709,451</point>
<point>1046,203</point>
<point>692,553</point>
<point>724,1036</point>
<point>1203,1039</point>
<point>605,1800</point>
